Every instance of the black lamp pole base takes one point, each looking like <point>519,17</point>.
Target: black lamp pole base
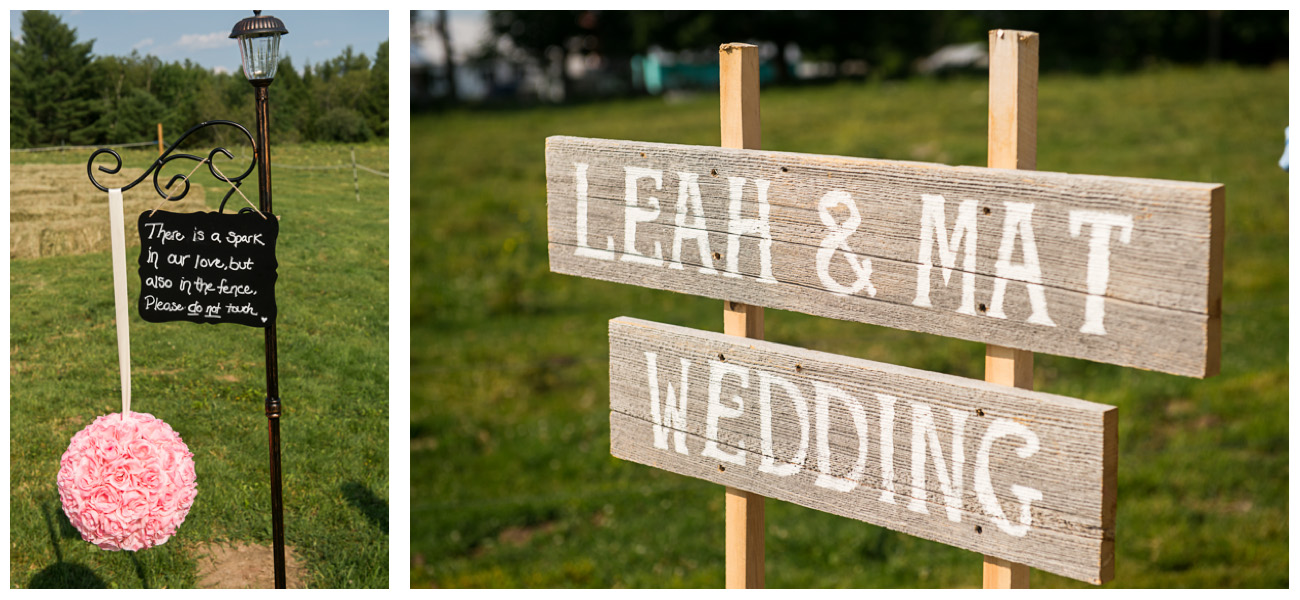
<point>263,125</point>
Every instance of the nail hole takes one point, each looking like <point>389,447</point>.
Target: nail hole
<point>713,172</point>
<point>979,529</point>
<point>785,170</point>
<point>798,368</point>
<point>721,357</point>
<point>979,412</point>
<point>717,256</point>
<point>721,469</point>
<point>643,155</point>
<point>983,308</point>
<point>987,210</point>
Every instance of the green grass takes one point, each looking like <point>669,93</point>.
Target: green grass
<point>512,481</point>
<point>208,383</point>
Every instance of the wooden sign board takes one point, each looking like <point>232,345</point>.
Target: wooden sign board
<point>208,267</point>
<point>1116,270</point>
<point>1025,476</point>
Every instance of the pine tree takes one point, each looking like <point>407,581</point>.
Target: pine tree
<point>52,85</point>
<point>378,92</point>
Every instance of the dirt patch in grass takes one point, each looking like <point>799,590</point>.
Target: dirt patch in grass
<point>241,565</point>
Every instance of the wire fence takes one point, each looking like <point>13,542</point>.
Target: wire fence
<point>354,165</point>
<point>96,147</point>
<point>331,167</point>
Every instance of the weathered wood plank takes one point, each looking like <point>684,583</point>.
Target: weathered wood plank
<point>815,459</point>
<point>1145,276</point>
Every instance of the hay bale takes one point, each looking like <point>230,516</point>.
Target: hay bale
<point>54,210</point>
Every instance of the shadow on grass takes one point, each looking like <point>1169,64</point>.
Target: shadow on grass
<point>370,505</point>
<point>139,571</point>
<point>63,574</point>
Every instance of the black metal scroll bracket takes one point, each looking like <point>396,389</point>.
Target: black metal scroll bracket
<point>157,167</point>
<point>264,196</point>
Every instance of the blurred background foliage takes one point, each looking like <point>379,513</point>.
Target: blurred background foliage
<point>530,55</point>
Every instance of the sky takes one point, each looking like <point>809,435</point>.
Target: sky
<point>203,36</point>
<point>466,28</point>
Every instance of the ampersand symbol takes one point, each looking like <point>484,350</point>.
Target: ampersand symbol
<point>838,240</point>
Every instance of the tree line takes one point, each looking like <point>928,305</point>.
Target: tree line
<point>61,93</point>
<point>890,43</point>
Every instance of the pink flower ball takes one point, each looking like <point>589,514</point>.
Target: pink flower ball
<point>127,481</point>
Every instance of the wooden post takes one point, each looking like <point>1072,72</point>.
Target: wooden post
<point>160,141</point>
<point>355,186</point>
<point>1013,131</point>
<point>738,72</point>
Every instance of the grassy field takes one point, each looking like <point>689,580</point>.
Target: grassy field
<point>512,481</point>
<point>208,383</point>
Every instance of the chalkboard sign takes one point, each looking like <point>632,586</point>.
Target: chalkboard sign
<point>208,267</point>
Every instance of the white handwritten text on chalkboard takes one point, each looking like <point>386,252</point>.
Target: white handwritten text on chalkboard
<point>208,268</point>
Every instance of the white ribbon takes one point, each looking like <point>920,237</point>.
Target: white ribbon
<point>118,234</point>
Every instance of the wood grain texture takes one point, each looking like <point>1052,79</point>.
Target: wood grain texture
<point>1013,99</point>
<point>1013,138</point>
<point>1008,366</point>
<point>1004,575</point>
<point>738,91</point>
<point>741,128</point>
<point>1072,525</point>
<point>746,562</point>
<point>1160,302</point>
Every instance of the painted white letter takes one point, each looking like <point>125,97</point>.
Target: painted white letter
<point>932,232</point>
<point>768,465</point>
<point>1019,221</point>
<point>718,370</point>
<point>737,227</point>
<point>634,214</point>
<point>583,249</point>
<point>984,484</point>
<point>922,429</point>
<point>673,415</point>
<point>1098,260</point>
<point>825,392</point>
<point>886,447</point>
<point>837,239</point>
<point>688,199</point>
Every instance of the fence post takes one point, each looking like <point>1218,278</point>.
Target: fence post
<point>160,140</point>
<point>355,186</point>
<point>738,73</point>
<point>1013,131</point>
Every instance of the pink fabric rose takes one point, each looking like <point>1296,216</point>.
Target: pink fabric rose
<point>186,470</point>
<point>111,529</point>
<point>127,481</point>
<point>86,472</point>
<point>105,499</point>
<point>126,430</point>
<point>150,479</point>
<point>141,450</point>
<point>66,478</point>
<point>135,505</point>
<point>107,449</point>
<point>164,502</point>
<point>186,500</point>
<point>119,473</point>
